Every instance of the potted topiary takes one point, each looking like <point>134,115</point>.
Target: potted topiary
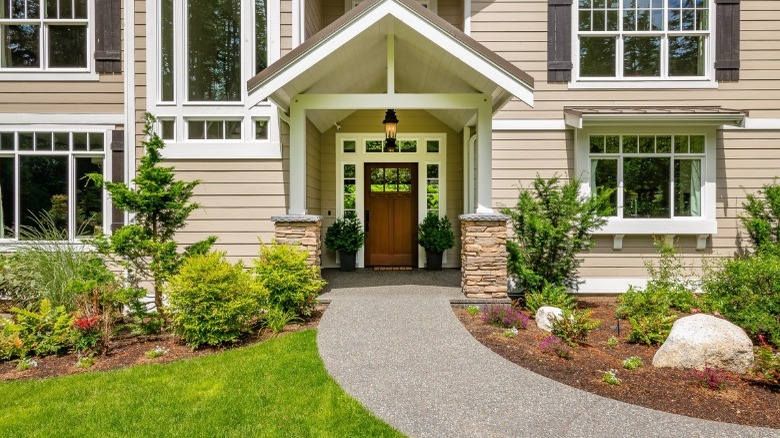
<point>346,237</point>
<point>436,236</point>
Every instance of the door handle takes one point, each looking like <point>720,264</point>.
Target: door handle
<point>367,217</point>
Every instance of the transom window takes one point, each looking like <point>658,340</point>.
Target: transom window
<point>651,176</point>
<point>44,35</point>
<point>643,39</point>
<point>43,179</point>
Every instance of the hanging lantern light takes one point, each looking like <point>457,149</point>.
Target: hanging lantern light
<point>391,128</point>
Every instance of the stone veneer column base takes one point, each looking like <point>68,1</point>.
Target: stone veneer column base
<point>483,255</point>
<point>305,230</point>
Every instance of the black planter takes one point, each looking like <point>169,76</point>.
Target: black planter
<point>433,260</point>
<point>347,260</point>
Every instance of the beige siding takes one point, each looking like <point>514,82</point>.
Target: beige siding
<point>313,17</point>
<point>286,22</point>
<point>450,10</point>
<point>517,30</point>
<point>410,121</point>
<point>313,169</point>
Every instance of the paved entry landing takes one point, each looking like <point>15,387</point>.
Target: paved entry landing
<point>401,352</point>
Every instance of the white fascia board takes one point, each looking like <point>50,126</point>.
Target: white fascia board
<point>371,16</point>
<point>610,285</point>
<point>59,119</point>
<point>758,124</point>
<point>383,101</point>
<point>656,119</point>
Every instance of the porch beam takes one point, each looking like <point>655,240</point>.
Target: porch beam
<point>297,159</point>
<point>485,159</point>
<point>397,100</point>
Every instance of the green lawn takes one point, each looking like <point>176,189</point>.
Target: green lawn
<point>276,388</point>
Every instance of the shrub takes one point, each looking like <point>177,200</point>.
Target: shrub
<point>611,377</point>
<point>761,218</point>
<point>574,326</point>
<point>25,364</point>
<point>642,302</point>
<point>277,318</point>
<point>554,345</point>
<point>551,225</point>
<point>716,379</point>
<point>612,341</point>
<point>746,290</point>
<point>632,363</point>
<point>652,329</point>
<point>345,235</point>
<point>292,284</point>
<point>550,295</point>
<point>472,310</point>
<point>212,301</point>
<point>47,331</point>
<point>435,233</point>
<point>17,282</point>
<point>671,278</point>
<point>767,365</point>
<point>504,316</point>
<point>156,352</point>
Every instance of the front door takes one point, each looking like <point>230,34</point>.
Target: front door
<point>391,214</point>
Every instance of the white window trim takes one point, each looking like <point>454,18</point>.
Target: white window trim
<point>432,5</point>
<point>708,81</point>
<point>360,157</point>
<point>180,109</point>
<point>12,243</point>
<point>706,224</point>
<point>60,74</point>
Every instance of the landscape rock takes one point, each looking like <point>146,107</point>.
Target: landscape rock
<point>544,314</point>
<point>699,341</point>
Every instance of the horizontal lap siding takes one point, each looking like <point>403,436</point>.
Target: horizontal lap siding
<point>517,31</point>
<point>286,27</point>
<point>313,169</point>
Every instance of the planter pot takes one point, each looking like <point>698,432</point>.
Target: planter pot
<point>347,261</point>
<point>433,260</point>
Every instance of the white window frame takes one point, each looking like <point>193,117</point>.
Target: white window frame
<point>360,157</point>
<point>181,110</point>
<point>54,74</point>
<point>71,154</point>
<point>705,224</point>
<point>663,81</point>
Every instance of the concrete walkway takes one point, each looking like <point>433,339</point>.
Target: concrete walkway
<point>399,349</point>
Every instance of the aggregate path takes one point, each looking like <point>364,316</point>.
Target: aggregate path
<point>399,350</point>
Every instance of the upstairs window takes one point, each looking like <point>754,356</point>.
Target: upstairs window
<point>643,39</point>
<point>44,35</point>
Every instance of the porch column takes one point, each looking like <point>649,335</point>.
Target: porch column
<point>303,230</point>
<point>483,255</point>
<point>297,158</point>
<point>485,158</point>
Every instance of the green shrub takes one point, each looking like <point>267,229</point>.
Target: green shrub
<point>292,284</point>
<point>747,291</point>
<point>574,326</point>
<point>276,318</point>
<point>761,218</point>
<point>551,226</point>
<point>47,331</point>
<point>212,301</point>
<point>643,302</point>
<point>671,277</point>
<point>651,329</point>
<point>632,363</point>
<point>345,235</point>
<point>550,295</point>
<point>435,233</point>
<point>767,365</point>
<point>17,282</point>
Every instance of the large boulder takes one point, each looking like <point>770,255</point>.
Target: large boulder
<point>702,340</point>
<point>544,315</point>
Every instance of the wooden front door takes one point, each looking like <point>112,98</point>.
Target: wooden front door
<point>391,214</point>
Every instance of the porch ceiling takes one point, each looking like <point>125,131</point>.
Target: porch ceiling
<point>359,63</point>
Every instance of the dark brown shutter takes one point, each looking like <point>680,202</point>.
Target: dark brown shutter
<point>108,36</point>
<point>727,40</point>
<point>117,173</point>
<point>559,40</point>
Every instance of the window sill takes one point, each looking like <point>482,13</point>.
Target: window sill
<point>702,228</point>
<point>53,76</point>
<point>642,84</point>
<point>221,151</point>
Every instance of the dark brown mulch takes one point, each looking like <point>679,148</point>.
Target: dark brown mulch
<point>130,350</point>
<point>746,401</point>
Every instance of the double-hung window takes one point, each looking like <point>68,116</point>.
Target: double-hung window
<point>207,50</point>
<point>44,35</point>
<point>43,179</point>
<point>643,39</point>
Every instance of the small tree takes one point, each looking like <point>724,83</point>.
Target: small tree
<point>160,206</point>
<point>551,224</point>
<point>761,218</point>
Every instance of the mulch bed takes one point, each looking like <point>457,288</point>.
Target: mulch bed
<point>128,350</point>
<point>746,401</point>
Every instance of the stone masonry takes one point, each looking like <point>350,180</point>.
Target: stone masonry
<point>483,255</point>
<point>305,230</point>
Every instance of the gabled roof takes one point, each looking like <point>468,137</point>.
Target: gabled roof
<point>431,56</point>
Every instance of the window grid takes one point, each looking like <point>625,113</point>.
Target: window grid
<point>617,34</point>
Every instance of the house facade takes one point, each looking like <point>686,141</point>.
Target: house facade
<point>277,106</point>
